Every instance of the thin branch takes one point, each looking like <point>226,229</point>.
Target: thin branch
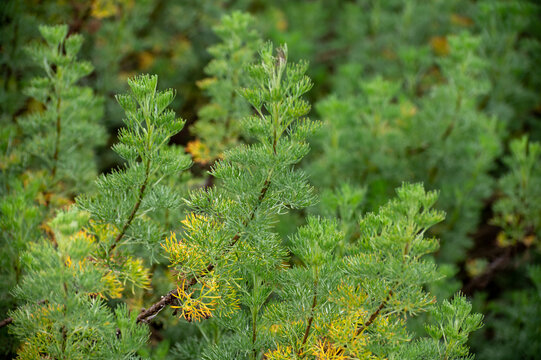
<point>310,320</point>
<point>483,279</point>
<point>254,325</point>
<point>147,315</point>
<point>6,322</point>
<point>57,140</point>
<point>374,314</point>
<point>135,208</point>
<point>260,199</point>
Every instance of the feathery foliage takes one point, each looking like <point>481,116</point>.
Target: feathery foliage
<point>217,128</point>
<point>229,252</point>
<point>61,138</point>
<point>518,212</point>
<point>352,299</point>
<point>93,254</point>
<point>126,198</point>
<point>409,91</point>
<point>48,154</point>
<point>63,313</point>
<point>395,150</point>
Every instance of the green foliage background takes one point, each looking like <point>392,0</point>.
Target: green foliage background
<point>444,92</point>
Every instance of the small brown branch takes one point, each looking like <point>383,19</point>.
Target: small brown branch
<point>310,320</point>
<point>147,315</point>
<point>254,338</point>
<point>64,339</point>
<point>483,279</point>
<point>6,322</point>
<point>262,194</point>
<point>374,314</point>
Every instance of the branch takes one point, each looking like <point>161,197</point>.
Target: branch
<point>147,315</point>
<point>310,320</point>
<point>374,314</point>
<point>135,208</point>
<point>6,322</point>
<point>57,140</point>
<point>483,279</point>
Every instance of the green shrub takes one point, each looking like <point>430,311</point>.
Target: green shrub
<point>239,256</point>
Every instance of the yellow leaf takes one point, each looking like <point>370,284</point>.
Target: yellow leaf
<point>529,240</point>
<point>440,45</point>
<point>199,151</point>
<point>103,8</point>
<point>461,20</point>
<point>146,59</point>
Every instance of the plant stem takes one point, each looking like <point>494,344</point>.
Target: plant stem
<point>311,318</point>
<point>57,140</point>
<point>254,310</point>
<point>147,315</point>
<point>374,314</point>
<point>135,208</point>
<point>6,322</point>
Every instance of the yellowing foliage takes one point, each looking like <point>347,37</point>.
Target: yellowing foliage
<point>199,151</point>
<point>199,306</point>
<point>440,46</point>
<point>280,353</point>
<point>324,350</point>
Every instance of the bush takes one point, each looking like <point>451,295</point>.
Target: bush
<point>427,129</point>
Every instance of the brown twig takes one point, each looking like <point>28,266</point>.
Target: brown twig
<point>310,320</point>
<point>147,315</point>
<point>374,314</point>
<point>6,322</point>
<point>483,279</point>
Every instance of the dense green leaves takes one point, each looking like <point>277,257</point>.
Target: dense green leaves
<point>218,128</point>
<point>439,93</point>
<point>518,212</point>
<point>450,326</point>
<point>61,138</point>
<point>124,196</point>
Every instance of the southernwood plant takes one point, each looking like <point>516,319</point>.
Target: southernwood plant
<point>518,214</point>
<point>103,245</point>
<point>217,128</point>
<point>443,93</point>
<point>416,139</point>
<point>47,153</point>
<point>249,293</point>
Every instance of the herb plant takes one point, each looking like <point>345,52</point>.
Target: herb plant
<point>239,256</point>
